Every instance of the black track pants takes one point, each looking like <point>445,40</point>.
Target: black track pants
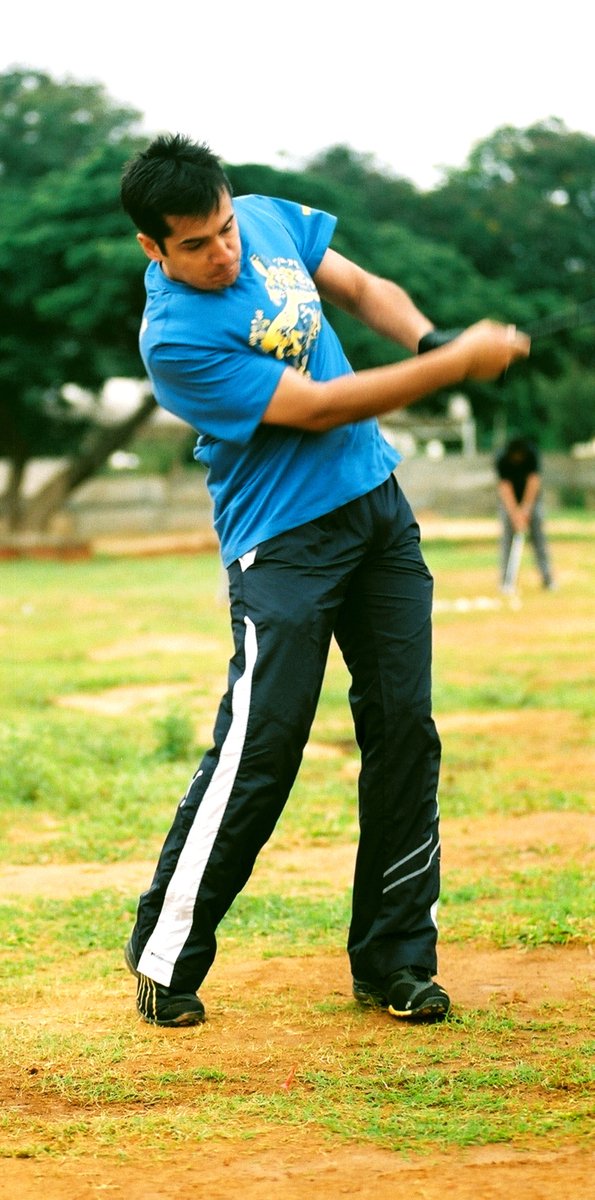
<point>357,573</point>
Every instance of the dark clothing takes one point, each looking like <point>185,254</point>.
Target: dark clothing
<point>516,464</point>
<point>358,574</point>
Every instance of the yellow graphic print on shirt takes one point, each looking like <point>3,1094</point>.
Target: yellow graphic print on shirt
<point>291,334</point>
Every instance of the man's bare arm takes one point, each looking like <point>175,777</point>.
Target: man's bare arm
<point>482,352</point>
<point>508,498</point>
<point>378,303</point>
<point>531,492</point>
<point>519,512</point>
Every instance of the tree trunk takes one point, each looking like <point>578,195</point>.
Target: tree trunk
<point>10,501</point>
<point>101,442</point>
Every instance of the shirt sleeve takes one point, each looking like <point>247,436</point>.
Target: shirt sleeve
<point>225,394</point>
<point>311,229</point>
<point>224,390</point>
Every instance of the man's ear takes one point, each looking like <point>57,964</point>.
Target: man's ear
<point>150,247</point>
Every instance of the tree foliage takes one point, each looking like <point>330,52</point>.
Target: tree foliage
<point>507,235</point>
<point>71,275</point>
<point>524,208</point>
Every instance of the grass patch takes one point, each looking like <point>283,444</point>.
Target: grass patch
<point>528,908</point>
<point>531,908</point>
<point>106,785</point>
<point>86,784</point>
<point>433,1090</point>
<point>41,933</point>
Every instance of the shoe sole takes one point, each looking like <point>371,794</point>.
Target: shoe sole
<point>434,1010</point>
<point>183,1021</point>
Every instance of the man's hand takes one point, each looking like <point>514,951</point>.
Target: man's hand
<point>520,521</point>
<point>491,348</point>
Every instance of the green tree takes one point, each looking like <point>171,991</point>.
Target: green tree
<point>522,211</point>
<point>509,235</point>
<point>523,207</point>
<point>71,279</point>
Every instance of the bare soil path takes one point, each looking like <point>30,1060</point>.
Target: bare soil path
<point>260,1053</point>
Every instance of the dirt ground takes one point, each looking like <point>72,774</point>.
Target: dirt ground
<point>299,1164</point>
<point>306,1169</point>
<point>302,1165</point>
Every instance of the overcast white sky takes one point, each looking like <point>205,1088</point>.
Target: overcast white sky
<point>414,84</point>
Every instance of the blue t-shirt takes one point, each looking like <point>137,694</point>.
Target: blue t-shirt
<point>215,359</point>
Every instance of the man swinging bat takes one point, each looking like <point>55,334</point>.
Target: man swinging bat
<point>319,541</point>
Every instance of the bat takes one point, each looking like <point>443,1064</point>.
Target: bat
<point>513,564</point>
<point>572,318</point>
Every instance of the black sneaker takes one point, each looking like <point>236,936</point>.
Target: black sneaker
<point>367,994</point>
<point>158,1004</point>
<point>410,993</point>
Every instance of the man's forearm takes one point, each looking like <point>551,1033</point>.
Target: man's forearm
<point>381,390</point>
<point>508,498</point>
<point>531,492</point>
<point>378,303</point>
<point>387,309</point>
<point>481,352</point>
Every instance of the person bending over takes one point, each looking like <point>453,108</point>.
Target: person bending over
<point>521,504</point>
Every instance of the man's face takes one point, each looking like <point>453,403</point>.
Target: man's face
<point>204,252</point>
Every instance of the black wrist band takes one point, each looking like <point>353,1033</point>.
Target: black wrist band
<point>436,338</point>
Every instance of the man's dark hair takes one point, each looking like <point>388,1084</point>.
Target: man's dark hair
<point>520,446</point>
<point>172,177</point>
